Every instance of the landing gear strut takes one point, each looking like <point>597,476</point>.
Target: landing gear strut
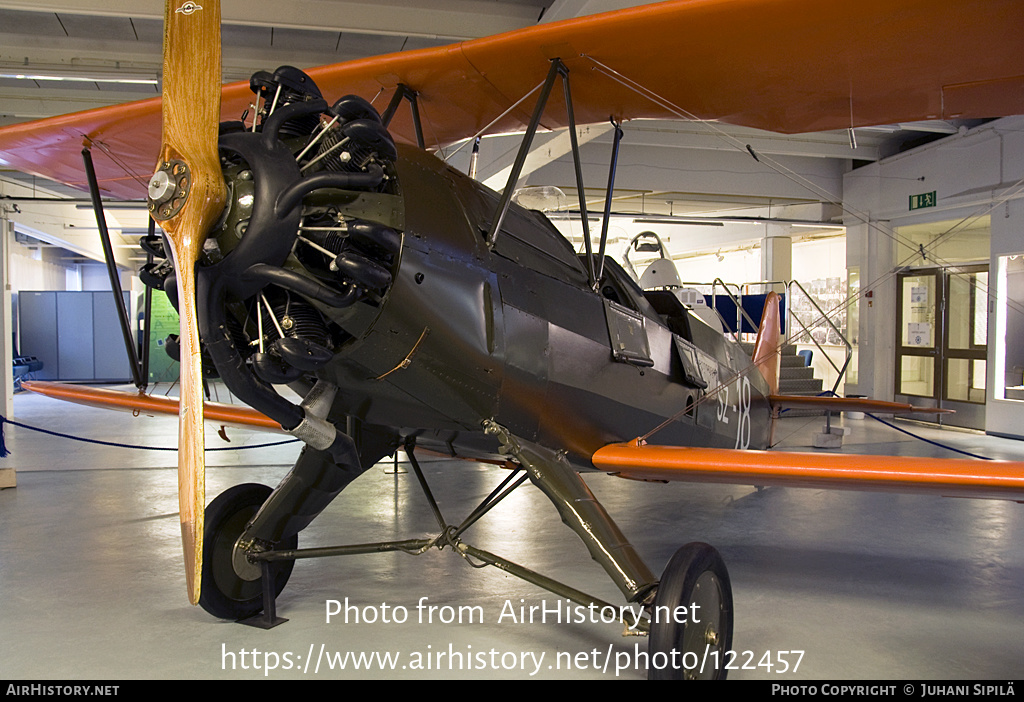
<point>689,613</point>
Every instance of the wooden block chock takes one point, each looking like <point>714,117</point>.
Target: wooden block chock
<point>8,478</point>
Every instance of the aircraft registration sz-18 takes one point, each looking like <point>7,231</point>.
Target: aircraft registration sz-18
<point>319,245</point>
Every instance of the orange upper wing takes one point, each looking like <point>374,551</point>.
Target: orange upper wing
<point>783,65</point>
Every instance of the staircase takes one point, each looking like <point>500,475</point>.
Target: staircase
<point>795,378</point>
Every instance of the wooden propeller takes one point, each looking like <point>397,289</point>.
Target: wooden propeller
<point>187,195</point>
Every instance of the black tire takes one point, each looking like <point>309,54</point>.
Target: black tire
<point>680,645</point>
<point>224,594</point>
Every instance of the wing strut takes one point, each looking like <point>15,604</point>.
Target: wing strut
<point>608,199</point>
<point>524,150</point>
<point>557,69</point>
<point>115,281</point>
<point>405,92</point>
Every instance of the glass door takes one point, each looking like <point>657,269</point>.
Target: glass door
<point>918,316</point>
<point>966,339</point>
<point>942,318</point>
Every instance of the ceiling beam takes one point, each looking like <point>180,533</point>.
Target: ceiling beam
<point>568,9</point>
<point>546,148</point>
<point>724,137</point>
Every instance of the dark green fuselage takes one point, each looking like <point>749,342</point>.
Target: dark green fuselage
<point>517,334</point>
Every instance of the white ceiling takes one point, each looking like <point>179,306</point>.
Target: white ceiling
<point>673,168</point>
<point>124,37</point>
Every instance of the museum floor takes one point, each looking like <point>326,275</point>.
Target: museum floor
<point>866,585</point>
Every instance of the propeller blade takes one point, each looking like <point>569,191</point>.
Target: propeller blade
<point>187,195</point>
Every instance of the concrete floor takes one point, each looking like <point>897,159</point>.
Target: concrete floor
<point>866,585</point>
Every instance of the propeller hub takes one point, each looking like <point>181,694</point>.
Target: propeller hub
<point>168,189</point>
<point>161,187</point>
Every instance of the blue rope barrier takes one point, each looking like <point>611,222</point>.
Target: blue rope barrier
<point>928,441</point>
<point>829,393</point>
<point>4,452</point>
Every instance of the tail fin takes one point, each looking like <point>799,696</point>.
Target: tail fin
<point>766,349</point>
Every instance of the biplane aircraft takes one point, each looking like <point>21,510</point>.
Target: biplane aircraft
<point>313,242</point>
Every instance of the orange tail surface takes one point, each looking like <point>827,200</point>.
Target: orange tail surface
<point>766,349</point>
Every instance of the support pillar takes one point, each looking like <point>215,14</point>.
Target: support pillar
<point>776,256</point>
<point>7,474</point>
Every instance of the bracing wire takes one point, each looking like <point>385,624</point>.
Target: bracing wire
<point>1013,191</point>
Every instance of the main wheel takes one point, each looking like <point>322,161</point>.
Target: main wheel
<point>225,593</point>
<point>691,623</point>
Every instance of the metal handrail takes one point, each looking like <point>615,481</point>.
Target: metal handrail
<point>825,354</point>
<point>736,300</point>
<point>790,315</point>
<point>828,320</point>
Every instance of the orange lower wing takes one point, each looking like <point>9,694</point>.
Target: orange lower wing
<point>215,412</point>
<point>941,476</point>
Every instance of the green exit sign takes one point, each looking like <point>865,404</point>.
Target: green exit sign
<point>923,200</point>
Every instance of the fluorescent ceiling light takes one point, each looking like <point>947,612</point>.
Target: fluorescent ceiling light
<point>25,73</point>
<point>667,220</point>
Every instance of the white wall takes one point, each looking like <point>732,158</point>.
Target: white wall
<point>95,277</point>
<point>735,267</point>
<point>28,273</point>
<point>975,174</point>
<point>1005,417</point>
<point>822,258</point>
<point>36,268</point>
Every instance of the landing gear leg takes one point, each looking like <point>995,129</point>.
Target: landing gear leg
<point>691,622</point>
<point>247,519</point>
<point>691,615</point>
<point>582,513</point>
